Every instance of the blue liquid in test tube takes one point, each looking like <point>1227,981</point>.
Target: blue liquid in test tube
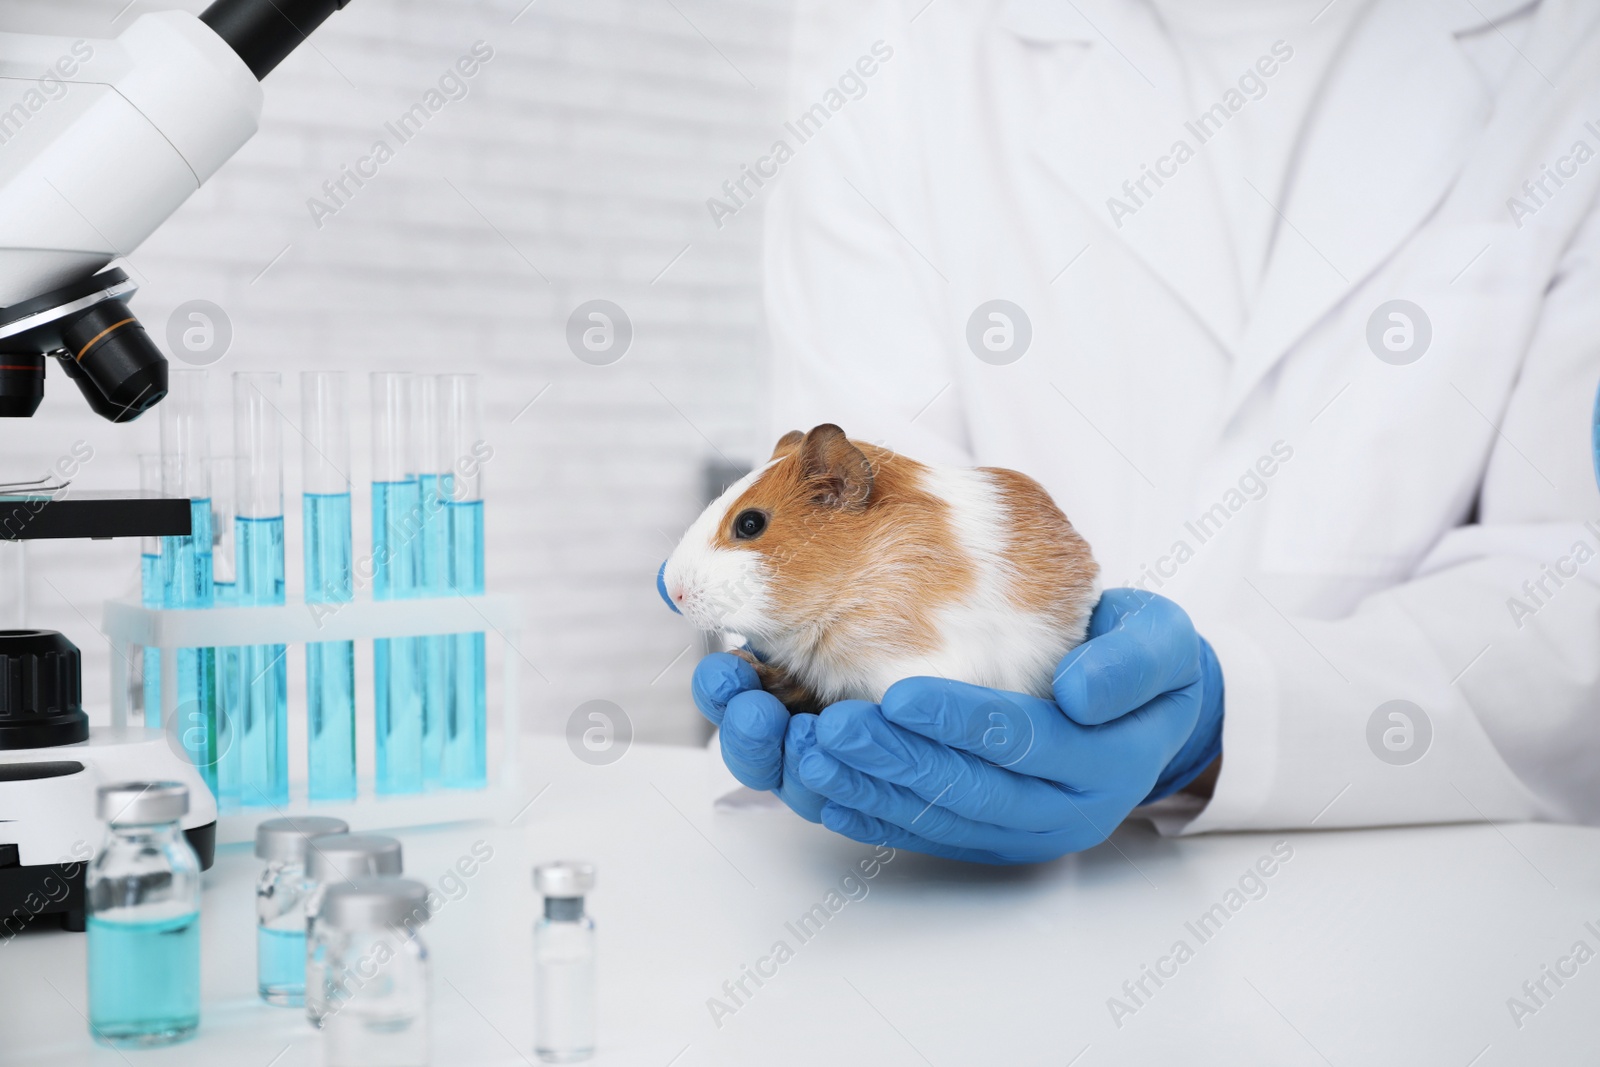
<point>396,574</point>
<point>465,764</point>
<point>433,550</point>
<point>186,581</point>
<point>151,593</point>
<point>224,776</point>
<point>330,665</point>
<point>185,568</point>
<point>396,662</point>
<point>330,580</point>
<point>261,725</point>
<point>433,545</point>
<point>151,596</point>
<point>465,757</point>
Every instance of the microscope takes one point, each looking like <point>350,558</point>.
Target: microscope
<point>100,142</point>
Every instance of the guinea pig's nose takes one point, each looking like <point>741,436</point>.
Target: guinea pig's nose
<point>661,587</point>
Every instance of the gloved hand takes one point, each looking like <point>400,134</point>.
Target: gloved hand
<point>978,774</point>
<point>762,744</point>
<point>970,773</point>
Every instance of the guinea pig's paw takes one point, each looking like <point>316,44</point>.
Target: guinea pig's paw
<point>794,694</point>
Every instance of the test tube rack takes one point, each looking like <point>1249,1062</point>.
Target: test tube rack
<point>129,626</point>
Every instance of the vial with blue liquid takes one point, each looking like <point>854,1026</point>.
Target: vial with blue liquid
<point>281,895</point>
<point>329,582</point>
<point>261,724</point>
<point>143,900</point>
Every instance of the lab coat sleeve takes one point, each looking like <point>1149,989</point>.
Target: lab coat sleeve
<point>854,298</point>
<point>1495,639</point>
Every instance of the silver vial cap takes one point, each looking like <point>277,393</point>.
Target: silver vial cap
<point>284,840</point>
<point>564,878</point>
<point>141,803</point>
<point>342,857</point>
<point>367,903</point>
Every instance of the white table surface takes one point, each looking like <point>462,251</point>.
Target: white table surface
<point>1370,947</point>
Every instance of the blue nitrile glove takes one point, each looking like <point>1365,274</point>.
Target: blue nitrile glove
<point>661,587</point>
<point>762,744</point>
<point>965,772</point>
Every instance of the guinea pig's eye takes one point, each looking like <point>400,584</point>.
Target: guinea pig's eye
<point>749,525</point>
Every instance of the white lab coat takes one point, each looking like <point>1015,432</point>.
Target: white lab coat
<point>1382,560</point>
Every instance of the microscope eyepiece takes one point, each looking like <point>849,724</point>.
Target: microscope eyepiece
<point>263,32</point>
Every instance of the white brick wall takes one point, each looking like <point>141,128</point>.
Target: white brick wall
<point>590,142</point>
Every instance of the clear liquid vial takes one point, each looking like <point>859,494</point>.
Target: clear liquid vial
<point>376,980</point>
<point>564,965</point>
<point>143,892</point>
<point>335,860</point>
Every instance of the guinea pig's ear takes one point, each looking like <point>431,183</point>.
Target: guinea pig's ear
<point>836,469</point>
<point>787,443</point>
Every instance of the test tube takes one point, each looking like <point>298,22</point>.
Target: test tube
<point>433,539</point>
<point>261,727</point>
<point>224,499</point>
<point>325,514</point>
<point>186,561</point>
<point>150,592</point>
<point>396,512</point>
<point>466,711</point>
<point>224,585</point>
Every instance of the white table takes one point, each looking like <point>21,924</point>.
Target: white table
<point>1375,947</point>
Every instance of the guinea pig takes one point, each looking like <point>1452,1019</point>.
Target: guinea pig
<point>847,567</point>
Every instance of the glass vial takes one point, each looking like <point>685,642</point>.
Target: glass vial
<point>564,965</point>
<point>396,517</point>
<point>281,895</point>
<point>186,561</point>
<point>143,890</point>
<point>329,580</point>
<point>261,726</point>
<point>376,981</point>
<point>337,859</point>
<point>461,484</point>
<point>150,595</point>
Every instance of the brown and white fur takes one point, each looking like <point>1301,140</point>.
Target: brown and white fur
<point>872,567</point>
